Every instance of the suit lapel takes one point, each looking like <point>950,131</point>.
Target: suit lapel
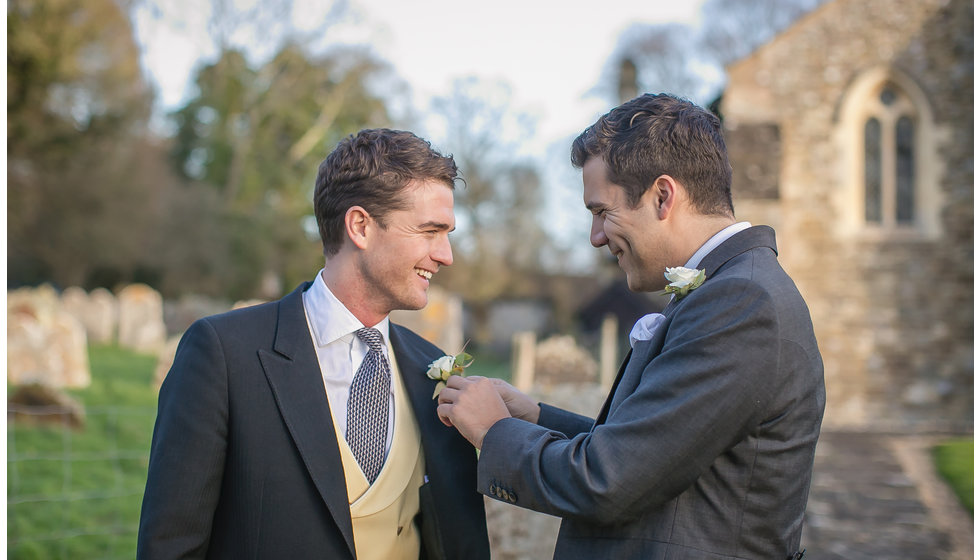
<point>294,374</point>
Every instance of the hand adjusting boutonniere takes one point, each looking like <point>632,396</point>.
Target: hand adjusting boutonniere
<point>682,280</point>
<point>445,366</point>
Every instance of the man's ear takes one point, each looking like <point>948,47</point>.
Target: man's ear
<point>356,222</point>
<point>663,195</point>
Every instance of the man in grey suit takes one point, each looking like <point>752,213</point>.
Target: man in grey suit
<point>704,447</point>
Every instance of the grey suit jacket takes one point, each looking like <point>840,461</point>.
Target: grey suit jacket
<point>704,447</point>
<point>245,462</point>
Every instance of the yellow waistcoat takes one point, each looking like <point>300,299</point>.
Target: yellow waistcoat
<point>383,513</point>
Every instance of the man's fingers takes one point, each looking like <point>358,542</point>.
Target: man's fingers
<point>443,411</point>
<point>457,382</point>
<point>448,395</point>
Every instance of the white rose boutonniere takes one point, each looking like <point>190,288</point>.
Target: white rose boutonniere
<point>682,280</point>
<point>447,365</point>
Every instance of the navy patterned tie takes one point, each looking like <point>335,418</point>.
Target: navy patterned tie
<point>367,406</point>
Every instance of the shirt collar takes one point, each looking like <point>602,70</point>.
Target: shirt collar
<point>713,243</point>
<point>330,320</point>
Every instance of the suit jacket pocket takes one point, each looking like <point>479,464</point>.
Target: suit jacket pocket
<point>427,521</point>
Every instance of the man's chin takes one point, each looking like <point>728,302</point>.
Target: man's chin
<point>415,303</point>
<point>638,285</point>
<point>634,285</point>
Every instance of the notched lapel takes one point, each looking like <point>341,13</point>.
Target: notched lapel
<point>294,375</point>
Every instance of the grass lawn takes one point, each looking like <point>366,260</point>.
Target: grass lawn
<point>489,367</point>
<point>954,461</point>
<point>77,493</point>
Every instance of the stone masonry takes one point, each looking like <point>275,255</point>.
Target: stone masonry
<point>892,308</point>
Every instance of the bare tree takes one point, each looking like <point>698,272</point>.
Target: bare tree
<point>735,28</point>
<point>690,62</point>
<point>662,58</point>
<point>501,238</point>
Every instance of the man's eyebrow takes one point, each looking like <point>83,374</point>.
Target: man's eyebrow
<point>593,206</point>
<point>436,225</point>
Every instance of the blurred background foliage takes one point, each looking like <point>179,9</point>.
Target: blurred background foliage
<point>216,200</point>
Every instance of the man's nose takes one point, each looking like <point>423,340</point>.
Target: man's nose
<point>598,234</point>
<point>443,253</point>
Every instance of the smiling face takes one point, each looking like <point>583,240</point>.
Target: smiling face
<point>635,236</point>
<point>399,260</point>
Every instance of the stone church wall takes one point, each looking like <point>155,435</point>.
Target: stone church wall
<point>893,313</point>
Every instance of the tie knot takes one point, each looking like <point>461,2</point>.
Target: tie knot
<point>371,337</point>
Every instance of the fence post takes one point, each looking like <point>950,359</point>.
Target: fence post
<point>608,358</point>
<point>522,364</point>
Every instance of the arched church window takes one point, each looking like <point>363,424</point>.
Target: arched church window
<point>891,166</point>
<point>889,159</point>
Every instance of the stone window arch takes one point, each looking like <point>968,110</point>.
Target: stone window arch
<point>891,170</point>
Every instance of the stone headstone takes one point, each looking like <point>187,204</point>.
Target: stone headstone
<point>103,315</point>
<point>74,300</point>
<point>141,326</point>
<point>45,343</point>
<point>96,311</point>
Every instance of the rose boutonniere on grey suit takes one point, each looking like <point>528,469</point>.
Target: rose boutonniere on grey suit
<point>682,280</point>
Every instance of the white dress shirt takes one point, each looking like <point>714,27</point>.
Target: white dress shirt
<point>340,351</point>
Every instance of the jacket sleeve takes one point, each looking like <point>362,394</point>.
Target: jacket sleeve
<point>698,396</point>
<point>187,454</point>
<point>563,421</point>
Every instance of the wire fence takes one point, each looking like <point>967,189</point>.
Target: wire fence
<point>75,480</point>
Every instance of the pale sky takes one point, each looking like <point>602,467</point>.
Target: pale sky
<point>551,53</point>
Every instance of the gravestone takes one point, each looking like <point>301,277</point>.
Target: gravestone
<point>45,344</point>
<point>96,311</point>
<point>103,316</point>
<point>141,326</point>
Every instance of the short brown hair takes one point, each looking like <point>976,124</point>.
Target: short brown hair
<point>654,135</point>
<point>371,169</point>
